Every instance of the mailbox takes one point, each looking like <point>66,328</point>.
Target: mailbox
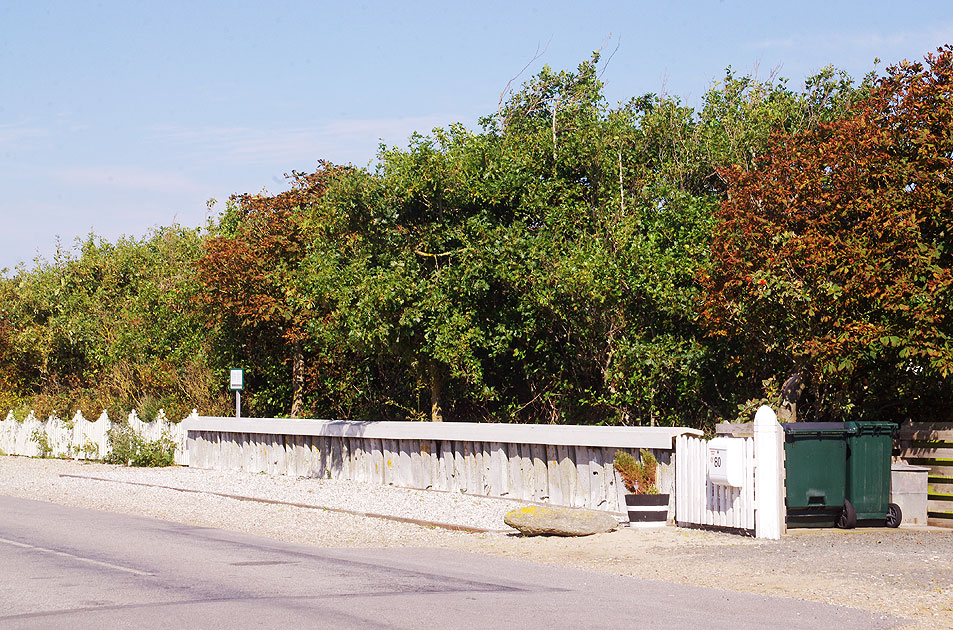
<point>726,461</point>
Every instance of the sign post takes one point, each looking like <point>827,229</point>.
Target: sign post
<point>236,382</point>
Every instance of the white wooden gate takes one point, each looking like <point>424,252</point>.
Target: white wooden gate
<point>698,501</point>
<point>756,506</point>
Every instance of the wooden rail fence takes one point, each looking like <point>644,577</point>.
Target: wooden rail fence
<point>930,444</point>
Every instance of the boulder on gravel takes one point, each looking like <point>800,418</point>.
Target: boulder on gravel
<point>535,520</point>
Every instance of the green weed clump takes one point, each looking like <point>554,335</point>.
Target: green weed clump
<point>42,441</point>
<point>130,449</point>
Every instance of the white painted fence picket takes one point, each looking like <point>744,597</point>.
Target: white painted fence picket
<point>757,506</point>
<point>81,438</point>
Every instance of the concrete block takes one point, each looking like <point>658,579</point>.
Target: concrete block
<point>908,489</point>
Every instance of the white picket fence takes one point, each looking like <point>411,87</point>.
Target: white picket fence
<point>80,438</point>
<point>757,505</point>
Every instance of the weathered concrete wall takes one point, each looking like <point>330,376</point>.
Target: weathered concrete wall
<point>562,465</point>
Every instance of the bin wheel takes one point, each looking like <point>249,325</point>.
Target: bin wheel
<point>894,515</point>
<point>848,516</point>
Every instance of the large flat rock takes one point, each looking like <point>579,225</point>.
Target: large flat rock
<point>535,520</point>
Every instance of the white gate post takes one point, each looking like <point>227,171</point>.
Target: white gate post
<point>769,475</point>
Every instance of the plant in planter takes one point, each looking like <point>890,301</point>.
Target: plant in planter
<point>646,507</point>
<point>638,475</point>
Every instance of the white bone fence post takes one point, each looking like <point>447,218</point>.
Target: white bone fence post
<point>769,475</point>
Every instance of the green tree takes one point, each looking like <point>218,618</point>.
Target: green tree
<point>108,326</point>
<point>524,271</point>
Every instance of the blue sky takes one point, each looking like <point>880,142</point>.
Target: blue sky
<point>116,117</point>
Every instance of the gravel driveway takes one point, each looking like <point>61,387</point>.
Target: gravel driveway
<point>907,572</point>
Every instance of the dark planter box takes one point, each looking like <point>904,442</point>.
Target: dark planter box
<point>647,510</point>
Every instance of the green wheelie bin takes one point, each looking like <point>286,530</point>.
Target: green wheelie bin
<point>838,473</point>
<point>869,446</point>
<point>815,465</point>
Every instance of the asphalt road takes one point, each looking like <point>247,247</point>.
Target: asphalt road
<point>63,567</point>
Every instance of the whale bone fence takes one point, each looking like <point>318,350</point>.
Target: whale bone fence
<point>80,438</point>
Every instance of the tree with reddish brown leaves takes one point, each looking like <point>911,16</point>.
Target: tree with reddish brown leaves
<point>833,254</point>
<point>250,277</point>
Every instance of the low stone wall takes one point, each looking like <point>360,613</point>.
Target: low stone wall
<point>562,465</point>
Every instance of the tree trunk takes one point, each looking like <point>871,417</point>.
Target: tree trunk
<point>790,394</point>
<point>297,379</point>
<point>436,392</point>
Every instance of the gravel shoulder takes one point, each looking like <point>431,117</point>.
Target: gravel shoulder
<point>907,573</point>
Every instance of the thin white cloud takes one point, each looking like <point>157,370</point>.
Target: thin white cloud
<point>11,133</point>
<point>784,42</point>
<point>130,178</point>
<point>929,37</point>
<point>339,141</point>
<point>876,42</point>
<point>393,129</point>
